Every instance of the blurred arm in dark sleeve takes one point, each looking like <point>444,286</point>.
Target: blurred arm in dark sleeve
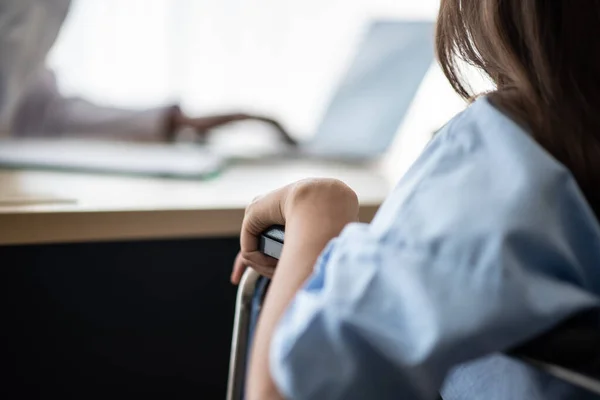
<point>45,112</point>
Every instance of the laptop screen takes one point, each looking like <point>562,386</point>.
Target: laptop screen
<point>377,90</point>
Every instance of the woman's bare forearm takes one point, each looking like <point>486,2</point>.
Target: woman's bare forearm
<point>306,237</point>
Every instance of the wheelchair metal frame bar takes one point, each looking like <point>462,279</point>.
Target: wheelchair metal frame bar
<point>564,374</point>
<point>241,337</point>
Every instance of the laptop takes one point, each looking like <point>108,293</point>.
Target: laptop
<point>374,95</point>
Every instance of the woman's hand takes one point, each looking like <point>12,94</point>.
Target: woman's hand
<point>320,207</point>
<point>313,212</point>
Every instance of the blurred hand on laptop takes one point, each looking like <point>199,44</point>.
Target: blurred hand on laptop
<point>203,125</point>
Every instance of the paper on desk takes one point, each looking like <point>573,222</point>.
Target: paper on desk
<point>162,160</point>
<point>12,201</point>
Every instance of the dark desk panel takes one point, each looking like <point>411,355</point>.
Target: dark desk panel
<point>148,319</point>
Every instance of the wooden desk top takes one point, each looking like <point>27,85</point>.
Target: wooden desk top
<point>53,207</point>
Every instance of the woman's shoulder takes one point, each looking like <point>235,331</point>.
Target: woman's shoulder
<point>482,176</point>
<point>483,135</point>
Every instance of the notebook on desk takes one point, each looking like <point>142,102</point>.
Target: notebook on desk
<point>184,161</point>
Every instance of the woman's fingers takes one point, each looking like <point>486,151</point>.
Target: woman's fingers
<point>261,214</point>
<point>264,212</point>
<point>263,264</point>
<point>259,262</point>
<point>239,266</point>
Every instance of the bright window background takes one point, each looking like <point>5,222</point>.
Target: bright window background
<point>280,57</point>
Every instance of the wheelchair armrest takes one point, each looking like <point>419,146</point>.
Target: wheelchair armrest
<point>570,351</point>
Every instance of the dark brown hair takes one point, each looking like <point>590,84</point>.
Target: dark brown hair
<point>544,57</point>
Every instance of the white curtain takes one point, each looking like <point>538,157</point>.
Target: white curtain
<point>281,57</point>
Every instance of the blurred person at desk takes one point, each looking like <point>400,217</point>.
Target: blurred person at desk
<point>31,104</point>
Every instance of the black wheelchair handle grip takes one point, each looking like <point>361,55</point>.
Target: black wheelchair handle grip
<point>271,241</point>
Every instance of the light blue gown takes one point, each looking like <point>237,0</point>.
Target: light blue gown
<point>486,241</point>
